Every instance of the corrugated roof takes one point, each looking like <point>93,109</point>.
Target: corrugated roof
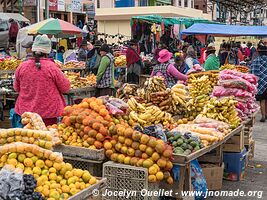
<point>15,16</point>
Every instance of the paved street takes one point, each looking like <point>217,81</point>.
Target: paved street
<point>256,178</point>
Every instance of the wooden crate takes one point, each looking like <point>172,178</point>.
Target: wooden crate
<point>215,156</point>
<point>235,143</point>
<point>251,149</point>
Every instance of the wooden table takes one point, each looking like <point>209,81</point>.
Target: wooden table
<point>184,182</point>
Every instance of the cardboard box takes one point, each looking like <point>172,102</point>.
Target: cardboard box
<point>235,164</point>
<point>235,143</point>
<point>213,175</point>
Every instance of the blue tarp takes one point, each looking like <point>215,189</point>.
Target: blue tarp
<point>225,30</point>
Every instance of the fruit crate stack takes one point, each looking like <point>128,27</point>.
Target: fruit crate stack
<point>235,143</point>
<point>122,177</point>
<point>248,136</point>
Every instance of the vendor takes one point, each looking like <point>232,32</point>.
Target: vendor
<point>259,68</point>
<point>94,57</point>
<point>180,64</point>
<point>40,84</point>
<point>212,62</point>
<point>60,53</point>
<point>191,57</point>
<point>134,63</point>
<point>28,48</point>
<point>105,74</point>
<point>83,51</point>
<point>167,70</point>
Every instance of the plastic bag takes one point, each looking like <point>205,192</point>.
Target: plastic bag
<point>239,84</point>
<point>33,121</point>
<point>114,110</point>
<point>119,103</point>
<point>230,73</point>
<point>220,91</point>
<point>156,131</point>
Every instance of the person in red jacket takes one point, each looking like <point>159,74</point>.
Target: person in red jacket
<point>40,84</point>
<point>13,31</point>
<point>134,63</point>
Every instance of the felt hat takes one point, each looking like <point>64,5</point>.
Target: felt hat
<point>84,43</point>
<point>133,42</point>
<point>211,48</point>
<point>28,45</point>
<point>164,56</point>
<point>105,48</point>
<point>262,47</point>
<point>98,43</point>
<point>42,44</point>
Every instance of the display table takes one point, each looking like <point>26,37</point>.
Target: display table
<point>184,183</point>
<point>80,93</point>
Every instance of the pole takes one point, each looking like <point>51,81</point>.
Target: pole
<point>38,10</point>
<point>20,7</point>
<point>46,9</point>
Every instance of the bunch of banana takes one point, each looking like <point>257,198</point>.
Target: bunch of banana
<point>151,115</point>
<point>126,91</point>
<point>222,110</point>
<point>155,84</point>
<point>179,95</point>
<point>200,86</point>
<point>135,106</point>
<point>213,77</point>
<point>196,105</point>
<point>9,63</point>
<point>227,66</point>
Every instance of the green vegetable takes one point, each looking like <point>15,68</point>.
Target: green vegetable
<point>193,144</point>
<point>180,142</point>
<point>177,136</point>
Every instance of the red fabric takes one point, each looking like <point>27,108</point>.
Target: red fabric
<point>40,90</point>
<point>247,52</point>
<point>203,56</point>
<point>240,55</point>
<point>131,56</point>
<point>13,30</point>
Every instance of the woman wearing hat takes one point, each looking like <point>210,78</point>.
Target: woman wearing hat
<point>212,62</point>
<point>105,73</point>
<point>167,70</point>
<point>133,63</point>
<point>94,57</point>
<point>40,84</point>
<point>259,68</point>
<point>83,51</point>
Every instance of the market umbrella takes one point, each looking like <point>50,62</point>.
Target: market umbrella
<point>56,27</point>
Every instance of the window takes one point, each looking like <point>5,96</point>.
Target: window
<point>192,4</point>
<point>180,2</point>
<point>143,2</point>
<point>3,26</point>
<point>185,3</point>
<point>196,7</point>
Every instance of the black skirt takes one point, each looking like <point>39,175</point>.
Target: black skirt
<point>262,96</point>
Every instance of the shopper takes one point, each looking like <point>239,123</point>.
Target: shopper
<point>94,57</point>
<point>83,51</point>
<point>212,62</point>
<point>134,63</point>
<point>40,84</point>
<point>191,57</point>
<point>13,31</point>
<point>28,48</point>
<point>60,53</point>
<point>167,70</point>
<point>105,74</point>
<point>259,68</point>
<point>180,64</point>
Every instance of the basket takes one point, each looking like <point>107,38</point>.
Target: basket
<point>81,152</point>
<point>122,177</point>
<point>87,193</point>
<point>94,167</point>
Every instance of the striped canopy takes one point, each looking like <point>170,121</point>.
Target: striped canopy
<point>56,27</point>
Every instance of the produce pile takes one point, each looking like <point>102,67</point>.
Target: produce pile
<point>85,124</point>
<point>33,121</point>
<point>200,89</point>
<point>238,68</point>
<point>131,147</point>
<point>14,185</point>
<point>127,91</point>
<point>241,86</point>
<point>9,63</point>
<point>223,109</point>
<point>207,130</point>
<point>55,179</point>
<point>120,61</point>
<point>79,82</point>
<point>73,64</point>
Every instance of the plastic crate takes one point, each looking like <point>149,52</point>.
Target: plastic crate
<point>122,177</point>
<point>87,193</point>
<point>95,168</point>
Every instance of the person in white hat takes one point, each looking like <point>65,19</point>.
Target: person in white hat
<point>40,84</point>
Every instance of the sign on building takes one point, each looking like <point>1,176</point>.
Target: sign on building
<point>76,6</point>
<point>29,3</point>
<point>53,5</point>
<point>61,5</point>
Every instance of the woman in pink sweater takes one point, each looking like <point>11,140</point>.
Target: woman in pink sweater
<point>167,70</point>
<point>40,84</point>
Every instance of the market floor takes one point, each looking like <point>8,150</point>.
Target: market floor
<point>256,177</point>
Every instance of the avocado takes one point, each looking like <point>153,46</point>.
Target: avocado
<point>189,147</point>
<point>174,144</point>
<point>178,150</point>
<point>177,136</point>
<point>196,148</point>
<point>193,144</point>
<point>171,139</point>
<point>180,142</point>
<point>187,152</point>
<point>169,135</point>
<point>184,146</point>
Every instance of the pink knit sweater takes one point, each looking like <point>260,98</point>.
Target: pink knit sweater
<point>40,90</point>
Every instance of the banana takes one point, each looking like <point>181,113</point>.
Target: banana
<point>132,105</point>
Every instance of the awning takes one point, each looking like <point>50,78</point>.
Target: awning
<point>218,30</point>
<point>15,16</point>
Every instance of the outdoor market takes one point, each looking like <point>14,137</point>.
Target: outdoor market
<point>157,112</point>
